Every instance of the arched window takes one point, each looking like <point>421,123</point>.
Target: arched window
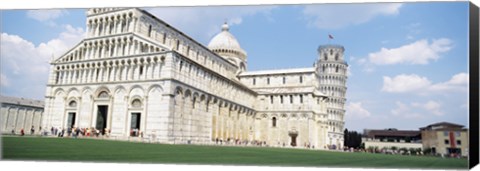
<point>291,99</point>
<point>336,57</point>
<point>274,122</point>
<point>325,56</point>
<point>194,102</point>
<point>111,28</point>
<point>301,79</point>
<point>336,69</point>
<point>124,26</point>
<point>281,99</point>
<point>301,98</point>
<point>331,51</point>
<point>254,81</point>
<point>72,103</point>
<point>271,99</point>
<point>284,80</point>
<point>136,103</point>
<point>103,94</point>
<point>268,80</point>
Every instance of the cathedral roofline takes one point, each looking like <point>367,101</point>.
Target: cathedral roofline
<point>278,71</point>
<point>21,101</point>
<point>186,36</point>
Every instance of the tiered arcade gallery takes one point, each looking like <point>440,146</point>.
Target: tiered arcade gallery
<point>134,77</point>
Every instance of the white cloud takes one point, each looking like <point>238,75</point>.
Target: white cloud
<point>414,109</point>
<point>404,83</point>
<point>401,109</point>
<point>4,82</point>
<point>433,107</point>
<point>413,30</point>
<point>26,65</point>
<point>355,109</point>
<point>419,52</point>
<point>332,16</point>
<point>405,111</point>
<point>457,82</point>
<point>46,16</point>
<point>413,83</point>
<point>430,106</point>
<point>207,20</point>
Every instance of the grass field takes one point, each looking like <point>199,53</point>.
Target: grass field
<point>68,149</point>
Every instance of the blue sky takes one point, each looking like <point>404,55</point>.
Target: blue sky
<point>408,61</point>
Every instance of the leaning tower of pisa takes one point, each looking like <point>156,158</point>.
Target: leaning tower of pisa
<point>332,72</point>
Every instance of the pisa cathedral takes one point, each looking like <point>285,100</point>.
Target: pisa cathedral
<point>133,71</point>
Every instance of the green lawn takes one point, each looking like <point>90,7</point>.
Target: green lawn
<point>67,149</point>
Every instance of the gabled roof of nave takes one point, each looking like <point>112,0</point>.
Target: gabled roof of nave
<point>87,40</point>
<point>175,30</point>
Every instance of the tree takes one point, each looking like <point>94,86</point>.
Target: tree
<point>346,138</point>
<point>403,150</point>
<point>412,150</point>
<point>352,138</point>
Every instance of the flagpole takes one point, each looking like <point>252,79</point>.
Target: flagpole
<point>330,37</point>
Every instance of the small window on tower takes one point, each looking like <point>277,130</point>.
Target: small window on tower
<point>164,38</point>
<point>274,122</point>
<point>336,57</point>
<point>281,99</point>
<point>336,69</point>
<point>268,80</point>
<point>325,56</point>
<point>331,52</point>
<point>150,31</point>
<point>284,80</point>
<point>178,45</point>
<point>271,99</point>
<point>301,79</point>
<point>254,81</point>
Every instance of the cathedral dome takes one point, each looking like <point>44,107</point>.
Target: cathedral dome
<point>226,45</point>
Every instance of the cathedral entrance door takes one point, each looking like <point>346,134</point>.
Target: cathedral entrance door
<point>71,120</point>
<point>102,114</point>
<point>135,124</point>
<point>293,135</point>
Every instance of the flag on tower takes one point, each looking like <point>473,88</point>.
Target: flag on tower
<point>330,36</point>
